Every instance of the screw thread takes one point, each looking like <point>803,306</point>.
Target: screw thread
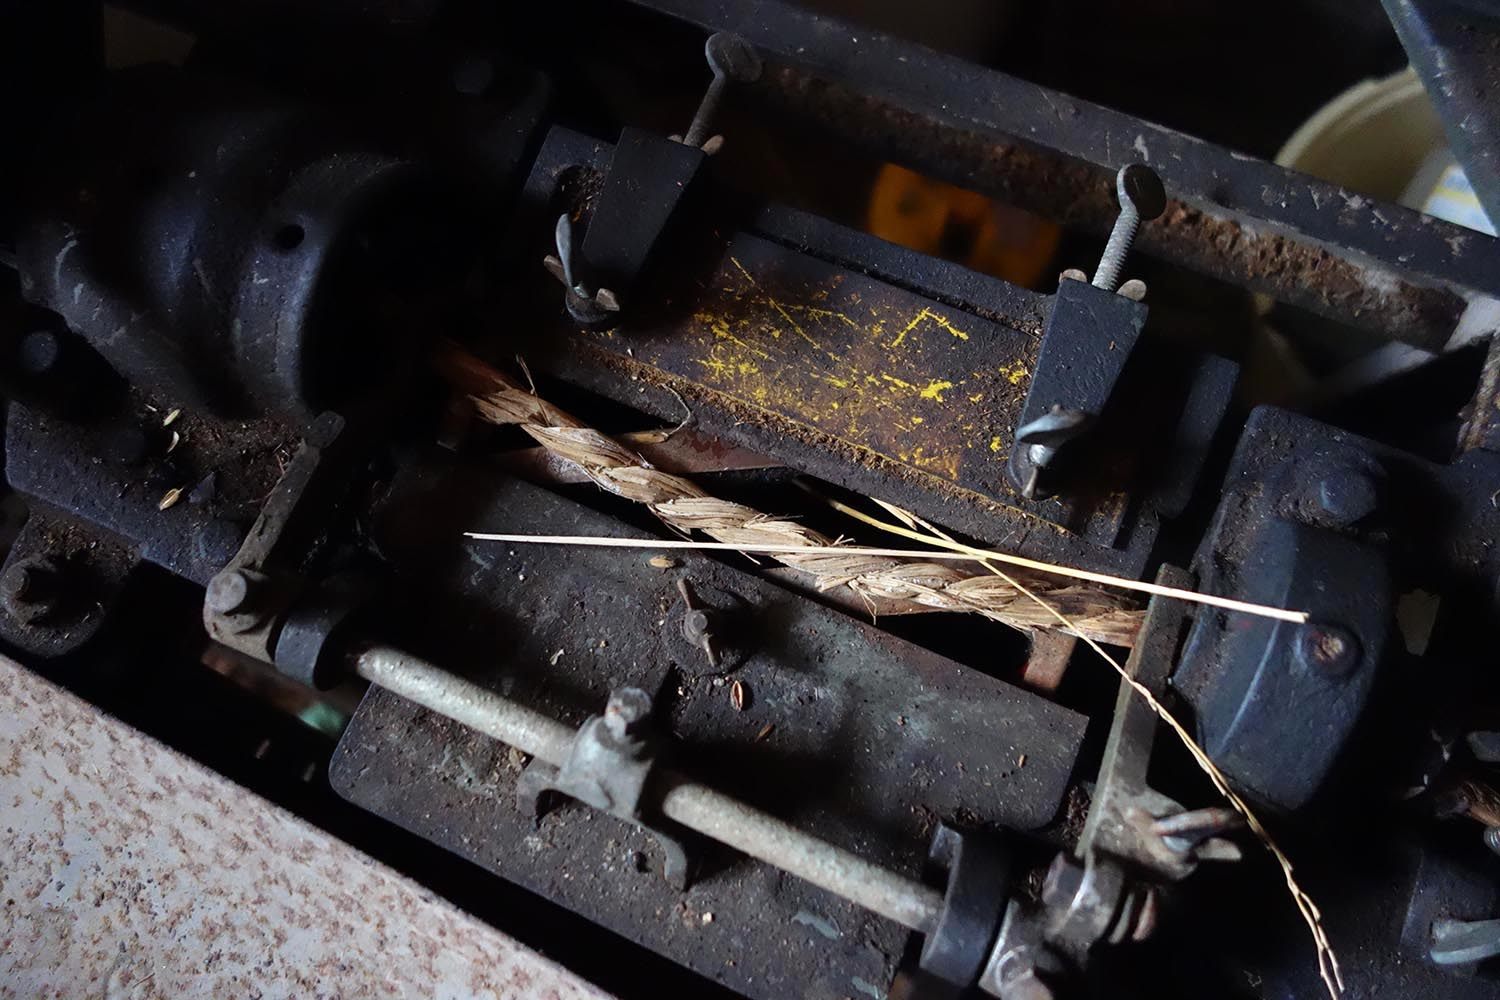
<point>697,133</point>
<point>1112,262</point>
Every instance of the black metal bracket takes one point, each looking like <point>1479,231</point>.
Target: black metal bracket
<point>1089,336</point>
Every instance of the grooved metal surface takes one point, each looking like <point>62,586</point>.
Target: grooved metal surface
<point>129,871</point>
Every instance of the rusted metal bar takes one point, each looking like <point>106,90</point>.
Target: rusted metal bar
<point>1263,256</point>
<point>1301,240</point>
<point>695,806</point>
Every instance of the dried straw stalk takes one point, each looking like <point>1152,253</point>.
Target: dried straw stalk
<point>888,585</point>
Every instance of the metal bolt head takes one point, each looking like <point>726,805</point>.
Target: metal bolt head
<point>1138,185</point>
<point>31,588</point>
<point>1020,980</point>
<point>40,353</point>
<point>472,76</point>
<point>1063,880</point>
<point>732,56</point>
<point>1327,649</point>
<point>1347,496</point>
<point>228,592</point>
<point>695,625</point>
<point>30,580</point>
<point>627,713</point>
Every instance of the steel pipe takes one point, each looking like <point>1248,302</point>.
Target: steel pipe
<point>694,805</point>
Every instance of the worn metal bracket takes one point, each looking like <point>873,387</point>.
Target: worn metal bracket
<point>649,176</point>
<point>249,603</point>
<point>1123,821</point>
<point>1089,336</point>
<point>608,768</point>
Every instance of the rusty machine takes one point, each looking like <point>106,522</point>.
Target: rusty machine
<point>252,283</point>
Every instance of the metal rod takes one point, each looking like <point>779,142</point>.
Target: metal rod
<point>696,806</point>
<point>697,132</point>
<point>768,839</point>
<point>463,701</point>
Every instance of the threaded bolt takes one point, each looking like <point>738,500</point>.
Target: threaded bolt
<point>730,57</point>
<point>627,713</point>
<point>1327,649</point>
<point>229,592</point>
<point>1142,198</point>
<point>31,588</point>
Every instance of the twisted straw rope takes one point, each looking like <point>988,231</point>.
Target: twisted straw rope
<point>889,585</point>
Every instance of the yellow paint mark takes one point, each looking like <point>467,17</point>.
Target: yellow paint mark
<point>720,329</point>
<point>909,328</point>
<point>899,383</point>
<point>976,397</point>
<point>1016,373</point>
<point>946,465</point>
<point>946,325</point>
<point>833,380</point>
<point>927,313</point>
<point>995,443</point>
<point>780,309</point>
<point>714,365</point>
<point>935,389</point>
<point>916,420</point>
<point>794,414</point>
<point>815,313</point>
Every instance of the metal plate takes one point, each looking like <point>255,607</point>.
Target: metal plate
<point>842,355</point>
<point>860,738</point>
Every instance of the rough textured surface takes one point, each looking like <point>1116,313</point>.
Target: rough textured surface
<point>847,733</point>
<point>127,871</point>
<point>891,586</point>
<point>1031,146</point>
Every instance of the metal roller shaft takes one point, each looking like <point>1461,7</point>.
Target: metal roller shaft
<point>696,806</point>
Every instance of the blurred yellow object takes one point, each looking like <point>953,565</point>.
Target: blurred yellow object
<point>962,226</point>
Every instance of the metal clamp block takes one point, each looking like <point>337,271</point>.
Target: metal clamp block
<point>608,768</point>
